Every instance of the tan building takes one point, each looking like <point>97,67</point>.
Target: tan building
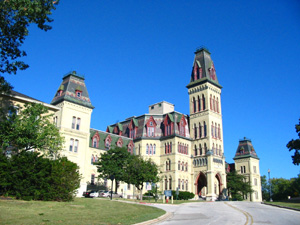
<point>187,148</point>
<point>247,163</point>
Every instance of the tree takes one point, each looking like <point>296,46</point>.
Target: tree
<point>28,129</point>
<point>140,171</point>
<point>265,188</point>
<point>112,164</point>
<point>15,18</point>
<point>237,186</point>
<point>29,175</point>
<point>281,188</point>
<point>295,145</point>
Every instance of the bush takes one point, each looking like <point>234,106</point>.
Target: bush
<point>183,195</point>
<point>29,176</point>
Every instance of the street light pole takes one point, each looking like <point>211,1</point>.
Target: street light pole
<point>270,189</point>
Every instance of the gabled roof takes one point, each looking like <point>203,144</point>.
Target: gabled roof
<point>245,150</point>
<point>103,135</point>
<point>203,60</point>
<point>71,83</point>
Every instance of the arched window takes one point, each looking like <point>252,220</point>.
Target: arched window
<point>204,128</point>
<point>170,183</point>
<point>147,149</point>
<point>215,130</point>
<point>186,167</point>
<point>96,158</point>
<point>71,144</point>
<point>182,184</point>
<point>78,124</point>
<point>76,145</point>
<point>186,185</point>
<point>212,129</point>
<point>166,148</point>
<point>95,142</point>
<point>195,150</point>
<point>178,165</point>
<point>167,165</point>
<point>170,147</point>
<point>166,184</point>
<point>217,105</point>
<point>214,104</point>
<point>213,149</point>
<point>220,149</point>
<point>200,131</point>
<point>179,184</point>
<point>200,149</point>
<point>150,151</point>
<point>199,104</point>
<point>194,104</point>
<point>154,149</point>
<point>92,159</point>
<point>203,102</point>
<point>205,148</point>
<point>187,149</point>
<point>182,166</point>
<point>219,131</point>
<point>210,101</point>
<point>195,131</point>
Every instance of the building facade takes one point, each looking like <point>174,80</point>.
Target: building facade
<point>188,149</point>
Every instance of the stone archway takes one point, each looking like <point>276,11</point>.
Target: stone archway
<point>218,185</point>
<point>201,184</point>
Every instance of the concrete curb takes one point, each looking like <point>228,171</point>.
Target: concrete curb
<point>279,206</point>
<point>166,216</point>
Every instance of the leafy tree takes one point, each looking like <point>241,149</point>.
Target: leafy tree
<point>295,145</point>
<point>237,186</point>
<point>112,164</point>
<point>140,171</point>
<point>265,188</point>
<point>295,186</point>
<point>15,18</point>
<point>29,175</point>
<point>281,188</point>
<point>29,129</point>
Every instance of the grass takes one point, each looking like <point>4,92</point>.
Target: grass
<point>295,205</point>
<point>80,211</point>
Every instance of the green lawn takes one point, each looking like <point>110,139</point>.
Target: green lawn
<point>295,205</point>
<point>80,211</point>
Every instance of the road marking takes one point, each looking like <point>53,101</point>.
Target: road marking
<point>248,215</point>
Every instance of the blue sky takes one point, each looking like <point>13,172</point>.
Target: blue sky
<point>136,53</point>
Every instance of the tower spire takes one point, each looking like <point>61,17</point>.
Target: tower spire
<point>203,69</point>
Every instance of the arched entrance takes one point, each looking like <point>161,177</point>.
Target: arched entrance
<point>218,185</point>
<point>201,184</point>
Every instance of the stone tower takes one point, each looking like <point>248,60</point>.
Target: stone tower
<point>206,128</point>
<point>247,164</point>
<point>73,121</point>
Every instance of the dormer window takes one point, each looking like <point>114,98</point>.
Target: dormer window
<point>59,92</point>
<point>95,140</point>
<point>108,142</point>
<point>78,94</point>
<point>150,126</point>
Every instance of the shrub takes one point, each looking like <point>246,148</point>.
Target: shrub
<point>29,176</point>
<point>183,195</point>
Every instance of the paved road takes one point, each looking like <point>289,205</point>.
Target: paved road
<point>211,213</point>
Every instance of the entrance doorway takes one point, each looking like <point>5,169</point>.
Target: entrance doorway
<point>201,185</point>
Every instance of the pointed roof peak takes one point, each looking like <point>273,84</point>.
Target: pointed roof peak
<point>73,89</point>
<point>245,149</point>
<point>202,49</point>
<point>203,69</point>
